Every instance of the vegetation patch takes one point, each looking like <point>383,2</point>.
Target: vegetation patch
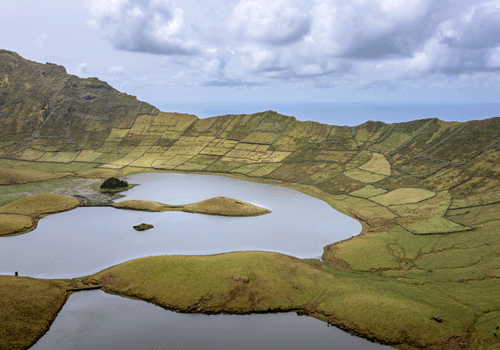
<point>435,206</point>
<point>223,166</point>
<point>11,224</point>
<point>41,204</point>
<point>30,154</point>
<point>335,156</point>
<point>14,176</point>
<point>476,200</point>
<point>377,164</point>
<point>265,169</point>
<point>226,207</point>
<point>249,168</point>
<point>213,206</point>
<point>146,161</point>
<point>403,196</point>
<point>174,162</point>
<point>369,191</point>
<point>28,306</point>
<point>114,183</point>
<point>88,156</point>
<point>143,227</point>
<point>340,184</point>
<point>191,166</point>
<point>58,157</point>
<point>325,174</point>
<point>132,156</point>
<point>297,172</point>
<point>360,159</point>
<point>364,176</point>
<point>145,205</point>
<point>423,225</point>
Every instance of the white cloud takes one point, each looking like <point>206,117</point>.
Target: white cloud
<point>42,39</point>
<point>81,70</point>
<point>476,28</point>
<point>114,70</point>
<point>152,26</point>
<point>493,58</point>
<point>318,41</point>
<point>276,22</point>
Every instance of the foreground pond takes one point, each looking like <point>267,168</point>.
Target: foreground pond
<point>96,320</point>
<point>86,240</point>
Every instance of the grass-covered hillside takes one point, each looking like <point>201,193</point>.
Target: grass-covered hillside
<point>418,170</point>
<point>427,192</point>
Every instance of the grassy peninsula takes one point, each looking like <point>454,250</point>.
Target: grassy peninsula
<point>23,214</point>
<point>427,193</point>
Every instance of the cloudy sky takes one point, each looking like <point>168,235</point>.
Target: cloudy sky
<point>268,50</point>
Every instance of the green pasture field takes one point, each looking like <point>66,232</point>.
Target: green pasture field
<point>377,164</point>
<point>191,166</point>
<point>423,225</point>
<point>325,174</point>
<point>335,156</point>
<point>297,172</point>
<point>368,191</point>
<point>265,169</point>
<point>31,154</point>
<point>223,166</point>
<point>359,159</point>
<point>247,169</point>
<point>435,206</point>
<point>87,156</point>
<point>403,196</point>
<point>363,175</point>
<point>476,200</point>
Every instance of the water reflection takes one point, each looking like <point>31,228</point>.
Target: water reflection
<point>96,320</point>
<point>86,240</point>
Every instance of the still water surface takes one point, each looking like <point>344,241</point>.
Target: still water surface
<point>86,240</point>
<point>96,320</point>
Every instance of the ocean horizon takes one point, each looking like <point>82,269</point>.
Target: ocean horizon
<point>342,113</point>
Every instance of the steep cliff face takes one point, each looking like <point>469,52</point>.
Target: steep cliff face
<point>43,102</point>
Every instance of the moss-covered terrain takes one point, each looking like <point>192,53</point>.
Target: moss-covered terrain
<point>426,191</point>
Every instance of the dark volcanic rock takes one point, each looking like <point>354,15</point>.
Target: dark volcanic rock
<point>143,227</point>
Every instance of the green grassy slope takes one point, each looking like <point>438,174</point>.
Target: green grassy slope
<point>427,191</point>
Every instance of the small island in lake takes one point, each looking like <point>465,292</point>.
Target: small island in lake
<point>143,227</point>
<point>213,206</point>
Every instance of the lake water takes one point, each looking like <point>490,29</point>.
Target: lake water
<point>96,320</point>
<point>86,240</point>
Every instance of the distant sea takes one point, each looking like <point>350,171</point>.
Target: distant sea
<point>347,113</point>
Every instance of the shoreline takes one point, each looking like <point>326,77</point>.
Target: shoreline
<point>316,193</point>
